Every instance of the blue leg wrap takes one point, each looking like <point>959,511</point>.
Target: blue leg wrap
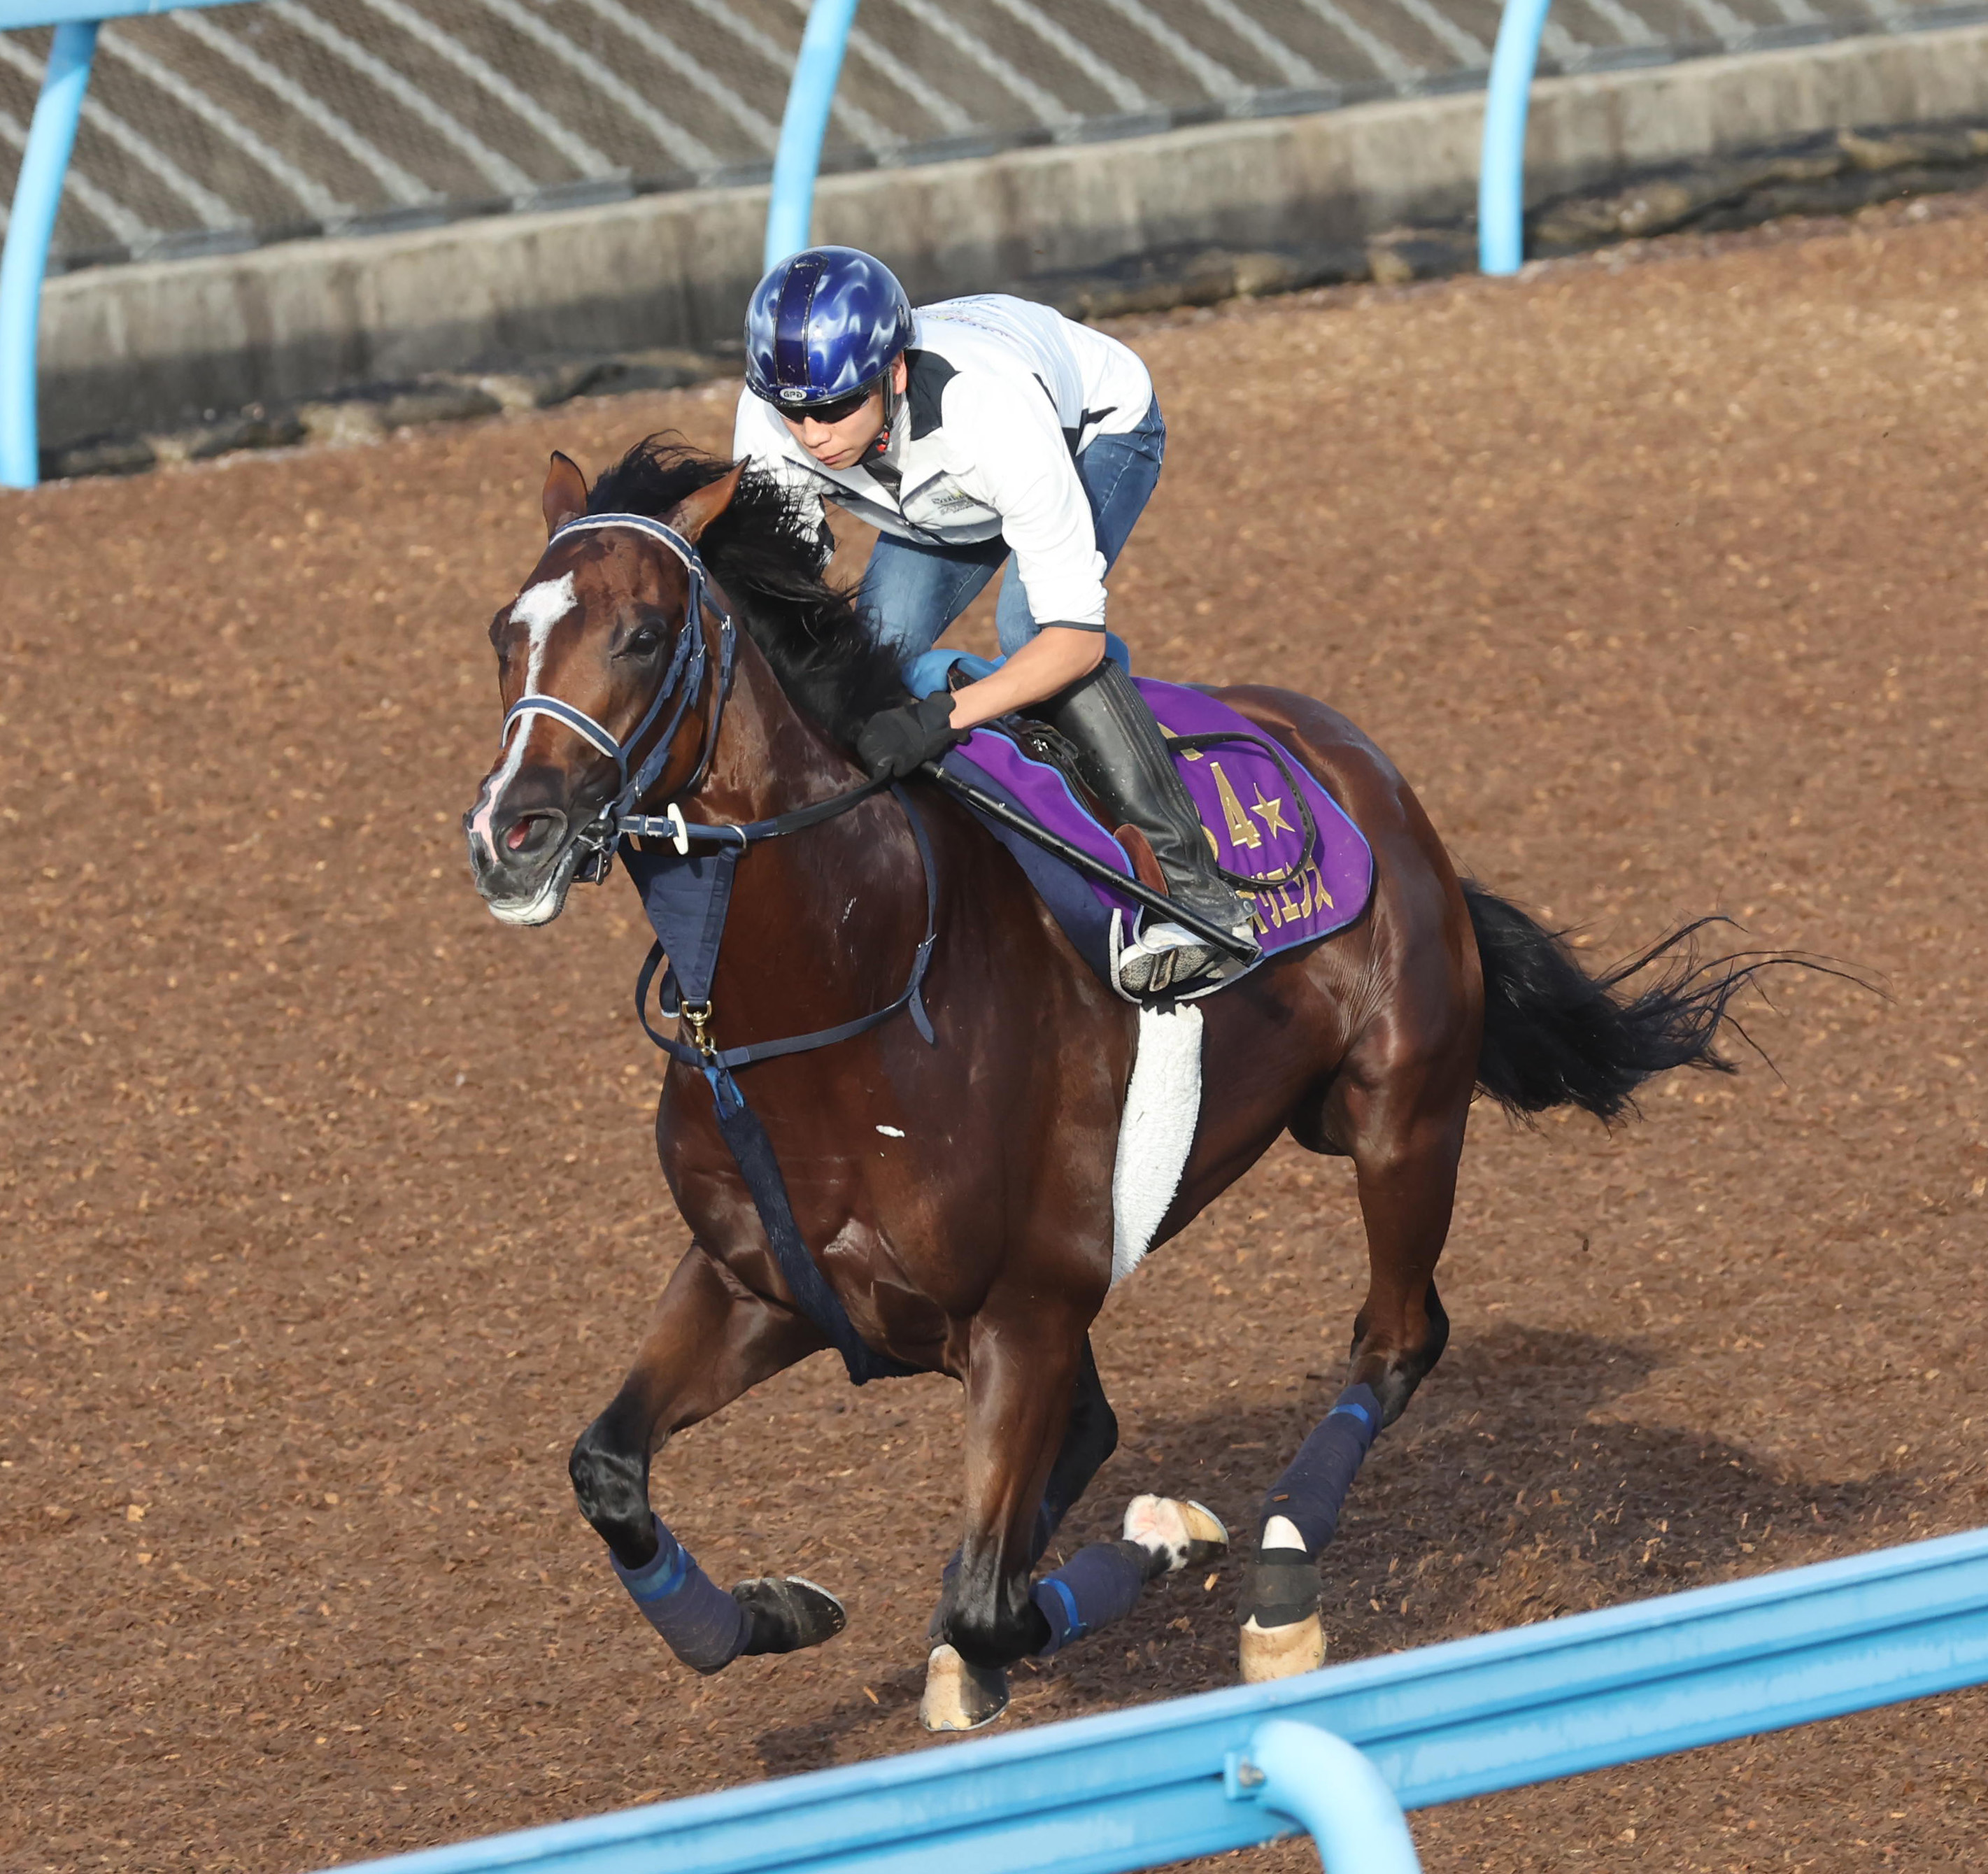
<point>705,1627</point>
<point>1312,1489</point>
<point>1097,1585</point>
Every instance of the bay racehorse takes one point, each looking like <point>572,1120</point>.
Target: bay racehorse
<point>948,1165</point>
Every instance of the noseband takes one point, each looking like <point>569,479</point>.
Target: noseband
<point>690,665</point>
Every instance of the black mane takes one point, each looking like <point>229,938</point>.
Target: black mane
<point>825,655</point>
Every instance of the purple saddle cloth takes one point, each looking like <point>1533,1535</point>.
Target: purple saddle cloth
<point>1245,795</point>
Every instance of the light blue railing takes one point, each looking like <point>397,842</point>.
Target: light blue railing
<point>37,196</point>
<point>52,137</point>
<point>790,210</point>
<point>1501,170</point>
<point>1501,191</point>
<point>1338,1752</point>
<point>38,191</point>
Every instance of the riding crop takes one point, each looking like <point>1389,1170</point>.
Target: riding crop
<point>999,810</point>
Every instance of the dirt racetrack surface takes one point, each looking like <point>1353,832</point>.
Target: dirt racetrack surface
<point>329,1209</point>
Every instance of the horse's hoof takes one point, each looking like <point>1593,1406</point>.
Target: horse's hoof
<point>1281,1652</point>
<point>1281,1633</point>
<point>1184,1534</point>
<point>784,1613</point>
<point>960,1697</point>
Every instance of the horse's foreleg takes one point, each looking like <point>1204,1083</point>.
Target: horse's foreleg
<point>1100,1583</point>
<point>1022,1372</point>
<point>989,1614</point>
<point>712,1340</point>
<point>1090,1435</point>
<point>1019,1383</point>
<point>1407,1135</point>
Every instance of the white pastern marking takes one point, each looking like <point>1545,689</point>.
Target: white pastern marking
<point>890,1132</point>
<point>1281,1532</point>
<point>1160,1524</point>
<point>539,608</point>
<point>1156,1131</point>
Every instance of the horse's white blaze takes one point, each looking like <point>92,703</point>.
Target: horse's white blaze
<point>539,608</point>
<point>891,1131</point>
<point>1156,1132</point>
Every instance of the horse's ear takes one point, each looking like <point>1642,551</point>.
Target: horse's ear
<point>564,498</point>
<point>691,515</point>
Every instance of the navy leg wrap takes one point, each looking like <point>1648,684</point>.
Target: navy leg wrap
<point>705,1628</point>
<point>1314,1487</point>
<point>1097,1585</point>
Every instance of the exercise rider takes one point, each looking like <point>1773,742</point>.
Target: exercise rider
<point>970,433</point>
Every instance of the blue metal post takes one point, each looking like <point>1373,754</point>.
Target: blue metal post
<point>37,195</point>
<point>790,212</point>
<point>1501,182</point>
<point>1321,1782</point>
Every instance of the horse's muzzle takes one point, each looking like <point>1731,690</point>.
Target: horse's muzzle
<point>522,866</point>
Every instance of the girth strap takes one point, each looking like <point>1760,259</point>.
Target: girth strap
<point>688,899</point>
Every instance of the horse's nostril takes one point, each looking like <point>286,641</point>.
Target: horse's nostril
<point>527,838</point>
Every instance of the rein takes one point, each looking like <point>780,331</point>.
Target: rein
<point>687,896</point>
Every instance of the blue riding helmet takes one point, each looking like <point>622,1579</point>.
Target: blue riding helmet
<point>824,324</point>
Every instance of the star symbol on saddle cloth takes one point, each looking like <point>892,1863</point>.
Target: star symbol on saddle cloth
<point>1271,812</point>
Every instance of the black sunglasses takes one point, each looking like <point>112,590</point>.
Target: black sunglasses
<point>831,413</point>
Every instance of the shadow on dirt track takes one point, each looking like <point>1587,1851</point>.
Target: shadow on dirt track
<point>1454,1528</point>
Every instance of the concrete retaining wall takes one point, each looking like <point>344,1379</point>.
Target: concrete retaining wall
<point>153,344</point>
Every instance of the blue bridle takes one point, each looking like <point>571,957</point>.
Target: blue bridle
<point>684,680</point>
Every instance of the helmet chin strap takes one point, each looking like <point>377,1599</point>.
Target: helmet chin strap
<point>894,404</point>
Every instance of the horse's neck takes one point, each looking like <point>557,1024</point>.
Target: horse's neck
<point>843,879</point>
<point>770,758</point>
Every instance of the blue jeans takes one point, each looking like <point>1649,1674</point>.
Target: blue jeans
<point>912,592</point>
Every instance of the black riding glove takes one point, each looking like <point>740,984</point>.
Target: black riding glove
<point>894,741</point>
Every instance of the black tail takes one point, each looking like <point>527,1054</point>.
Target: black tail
<point>1554,1036</point>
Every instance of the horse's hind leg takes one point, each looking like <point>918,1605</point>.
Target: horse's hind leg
<point>1171,1534</point>
<point>1403,1122</point>
<point>711,1341</point>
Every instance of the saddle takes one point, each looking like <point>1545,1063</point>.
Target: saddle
<point>1301,864</point>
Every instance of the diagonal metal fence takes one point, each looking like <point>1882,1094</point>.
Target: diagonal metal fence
<point>210,131</point>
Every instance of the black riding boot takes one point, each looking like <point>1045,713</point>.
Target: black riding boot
<point>1123,759</point>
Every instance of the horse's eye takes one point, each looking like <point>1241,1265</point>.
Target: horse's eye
<point>642,641</point>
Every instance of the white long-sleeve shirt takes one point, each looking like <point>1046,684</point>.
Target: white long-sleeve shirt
<point>1003,396</point>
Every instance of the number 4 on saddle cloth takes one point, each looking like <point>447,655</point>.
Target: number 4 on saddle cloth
<point>1256,804</point>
